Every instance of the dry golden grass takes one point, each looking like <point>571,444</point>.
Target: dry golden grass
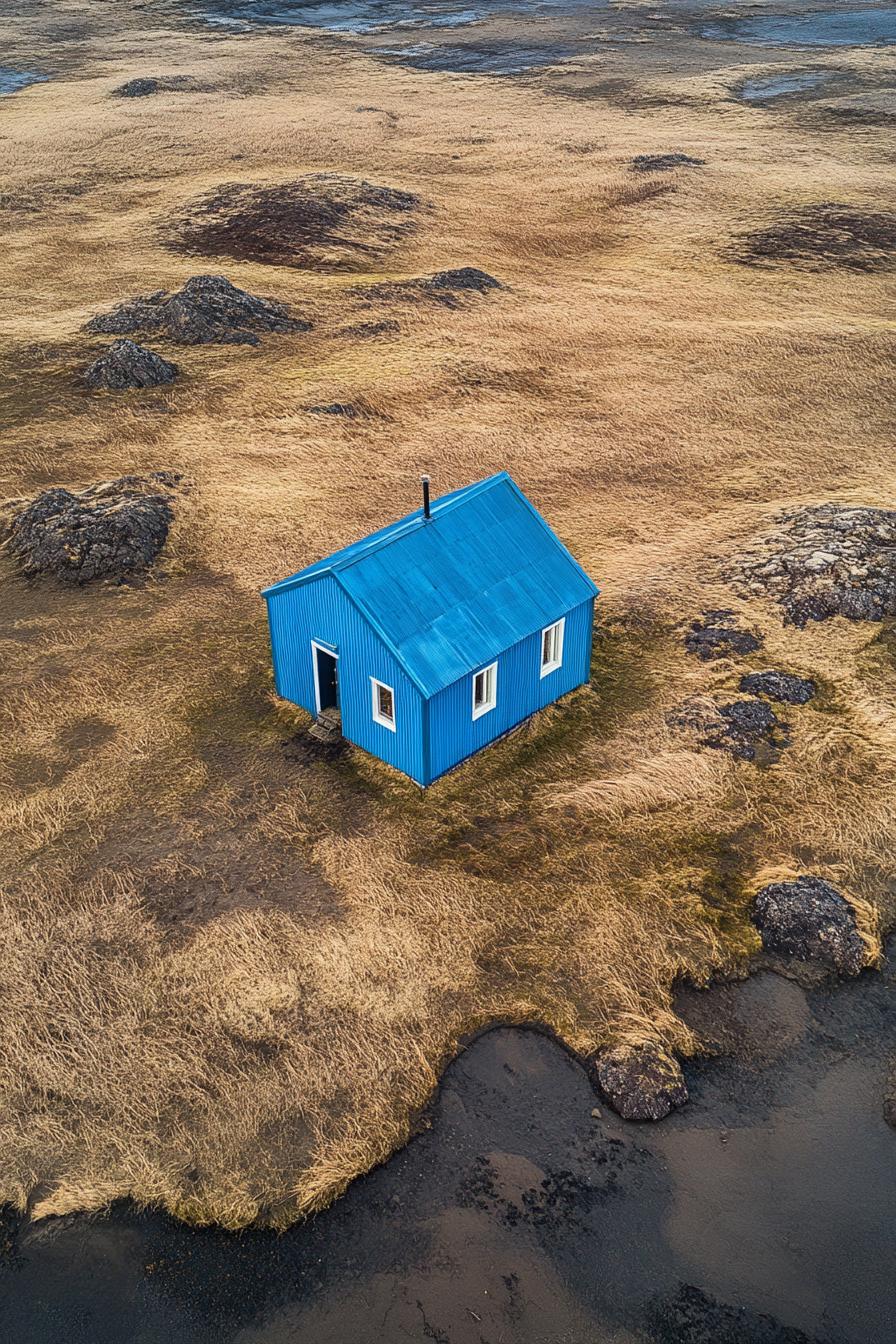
<point>230,980</point>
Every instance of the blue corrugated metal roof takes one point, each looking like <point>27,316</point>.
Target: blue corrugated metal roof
<point>449,594</point>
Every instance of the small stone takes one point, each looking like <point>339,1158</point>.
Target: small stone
<point>808,918</point>
<point>596,1114</point>
<point>641,1082</point>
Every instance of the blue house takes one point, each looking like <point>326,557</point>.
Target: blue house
<point>438,634</point>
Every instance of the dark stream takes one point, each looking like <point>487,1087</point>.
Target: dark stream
<point>762,1213</point>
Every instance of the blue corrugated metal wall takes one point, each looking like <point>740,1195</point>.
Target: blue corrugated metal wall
<point>454,734</point>
<point>321,610</point>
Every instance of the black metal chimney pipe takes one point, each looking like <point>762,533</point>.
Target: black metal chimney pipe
<point>425,480</point>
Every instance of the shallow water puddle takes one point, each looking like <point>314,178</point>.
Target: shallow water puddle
<point>768,87</point>
<point>467,59</point>
<point>832,27</point>
<point>13,80</point>
<point>368,16</point>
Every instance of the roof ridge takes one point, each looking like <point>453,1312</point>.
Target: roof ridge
<point>384,536</point>
<point>402,526</point>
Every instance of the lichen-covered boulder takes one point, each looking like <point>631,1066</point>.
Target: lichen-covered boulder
<point>112,530</point>
<point>641,1082</point>
<point>809,919</point>
<point>126,364</point>
<point>824,560</point>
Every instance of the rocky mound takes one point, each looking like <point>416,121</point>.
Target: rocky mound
<point>823,236</point>
<point>112,530</point>
<point>446,287</point>
<point>150,84</point>
<point>782,686</point>
<point>809,919</point>
<point>716,635</point>
<point>826,560</point>
<point>641,1082</point>
<point>126,364</point>
<point>322,221</point>
<point>661,163</point>
<point>209,310</point>
<point>748,729</point>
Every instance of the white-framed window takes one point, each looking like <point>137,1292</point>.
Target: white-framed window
<point>552,647</point>
<point>485,690</point>
<point>383,703</point>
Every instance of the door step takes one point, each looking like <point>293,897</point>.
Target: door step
<point>327,727</point>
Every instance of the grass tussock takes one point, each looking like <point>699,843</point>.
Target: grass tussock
<point>231,975</point>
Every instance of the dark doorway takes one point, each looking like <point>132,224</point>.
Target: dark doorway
<point>327,686</point>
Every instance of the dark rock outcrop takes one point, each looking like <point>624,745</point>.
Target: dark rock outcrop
<point>461,277</point>
<point>322,221</point>
<point>112,530</point>
<point>748,729</point>
<point>822,561</point>
<point>717,636</point>
<point>126,364</point>
<point>369,330</point>
<point>661,163</point>
<point>209,310</point>
<point>445,287</point>
<point>783,686</point>
<point>809,919</point>
<point>146,85</point>
<point>641,1082</point>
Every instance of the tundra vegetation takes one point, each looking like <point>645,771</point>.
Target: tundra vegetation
<point>231,967</point>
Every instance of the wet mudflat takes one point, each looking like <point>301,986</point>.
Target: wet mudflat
<point>761,1213</point>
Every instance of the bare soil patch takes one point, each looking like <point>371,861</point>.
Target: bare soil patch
<point>322,221</point>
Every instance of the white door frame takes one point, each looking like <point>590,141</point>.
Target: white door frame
<point>318,646</point>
